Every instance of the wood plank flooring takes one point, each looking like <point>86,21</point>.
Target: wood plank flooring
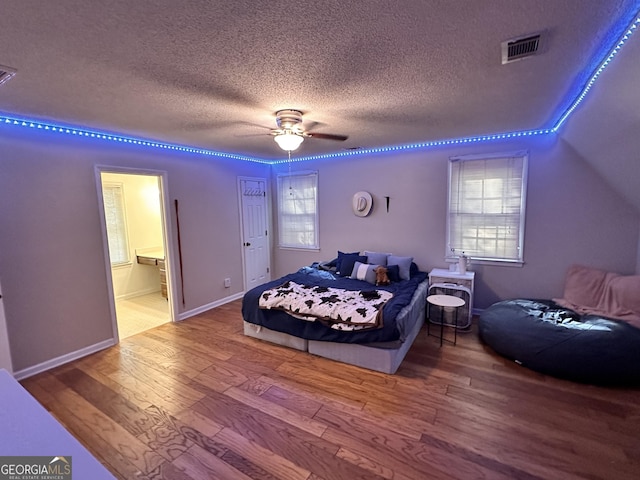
<point>198,400</point>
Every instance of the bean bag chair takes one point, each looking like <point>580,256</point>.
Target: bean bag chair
<point>548,338</point>
<point>591,335</point>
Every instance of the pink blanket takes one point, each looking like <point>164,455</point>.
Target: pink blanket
<point>589,290</point>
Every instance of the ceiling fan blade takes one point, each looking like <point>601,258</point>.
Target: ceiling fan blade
<point>197,126</point>
<point>313,125</point>
<point>253,125</point>
<point>253,134</point>
<point>327,136</point>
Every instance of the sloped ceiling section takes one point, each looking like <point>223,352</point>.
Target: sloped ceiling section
<point>212,74</point>
<point>605,130</point>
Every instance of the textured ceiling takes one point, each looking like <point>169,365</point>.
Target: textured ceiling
<point>605,130</point>
<point>211,74</point>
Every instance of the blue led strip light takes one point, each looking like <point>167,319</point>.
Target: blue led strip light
<point>82,132</point>
<point>416,146</point>
<point>597,73</point>
<point>499,136</point>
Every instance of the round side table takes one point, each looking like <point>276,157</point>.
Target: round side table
<point>446,302</point>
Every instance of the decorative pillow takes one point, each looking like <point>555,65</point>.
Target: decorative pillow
<point>393,272</point>
<point>591,291</point>
<point>347,263</point>
<point>584,286</point>
<point>414,269</point>
<point>339,258</point>
<point>404,263</point>
<point>364,271</point>
<point>376,258</point>
<point>622,298</point>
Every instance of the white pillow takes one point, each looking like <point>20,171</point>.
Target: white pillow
<point>364,271</point>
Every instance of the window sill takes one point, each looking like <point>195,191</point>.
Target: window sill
<point>121,265</point>
<point>493,263</point>
<point>301,249</point>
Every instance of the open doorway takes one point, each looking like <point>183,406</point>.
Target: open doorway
<point>135,230</point>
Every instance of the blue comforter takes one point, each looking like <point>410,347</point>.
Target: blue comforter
<point>280,321</point>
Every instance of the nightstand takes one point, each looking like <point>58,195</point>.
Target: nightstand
<point>447,277</point>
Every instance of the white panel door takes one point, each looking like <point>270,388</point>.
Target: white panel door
<point>5,354</point>
<point>255,240</point>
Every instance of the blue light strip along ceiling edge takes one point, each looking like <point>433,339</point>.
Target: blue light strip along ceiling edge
<point>86,133</point>
<point>601,67</point>
<point>111,137</point>
<point>422,145</point>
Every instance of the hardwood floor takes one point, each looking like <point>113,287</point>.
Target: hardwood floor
<point>198,400</point>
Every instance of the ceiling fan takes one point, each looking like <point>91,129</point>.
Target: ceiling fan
<point>290,132</point>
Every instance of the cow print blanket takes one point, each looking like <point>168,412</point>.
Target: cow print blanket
<point>346,310</point>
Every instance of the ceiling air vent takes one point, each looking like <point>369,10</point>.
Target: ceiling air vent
<point>519,48</point>
<point>6,73</point>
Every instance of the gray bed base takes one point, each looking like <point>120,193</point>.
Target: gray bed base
<point>385,360</point>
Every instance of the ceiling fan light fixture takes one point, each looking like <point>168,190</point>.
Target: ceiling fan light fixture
<point>288,140</point>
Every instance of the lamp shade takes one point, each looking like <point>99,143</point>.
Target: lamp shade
<point>288,141</point>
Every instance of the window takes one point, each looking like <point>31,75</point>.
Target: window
<point>487,206</point>
<point>298,210</point>
<point>113,195</point>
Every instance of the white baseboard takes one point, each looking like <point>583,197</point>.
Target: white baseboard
<point>83,352</point>
<point>209,306</point>
<point>139,293</point>
<point>61,360</point>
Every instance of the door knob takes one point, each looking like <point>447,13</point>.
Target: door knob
<point>247,244</point>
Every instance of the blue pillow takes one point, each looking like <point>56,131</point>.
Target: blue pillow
<point>393,272</point>
<point>347,262</point>
<point>404,263</point>
<point>339,259</point>
<point>414,269</point>
<point>364,271</point>
<point>376,258</point>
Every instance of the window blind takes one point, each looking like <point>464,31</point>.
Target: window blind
<point>486,207</point>
<point>114,213</point>
<point>298,210</point>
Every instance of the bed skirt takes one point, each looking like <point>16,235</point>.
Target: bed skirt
<point>385,360</point>
<point>279,338</point>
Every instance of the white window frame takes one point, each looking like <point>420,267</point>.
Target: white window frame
<point>118,240</point>
<point>285,182</point>
<point>454,245</point>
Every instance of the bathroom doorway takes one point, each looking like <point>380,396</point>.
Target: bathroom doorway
<point>134,221</point>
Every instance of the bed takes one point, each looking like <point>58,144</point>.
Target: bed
<point>590,335</point>
<point>380,344</point>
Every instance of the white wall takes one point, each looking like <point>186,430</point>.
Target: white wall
<point>51,255</point>
<point>572,216</point>
<point>51,246</point>
<point>144,229</point>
